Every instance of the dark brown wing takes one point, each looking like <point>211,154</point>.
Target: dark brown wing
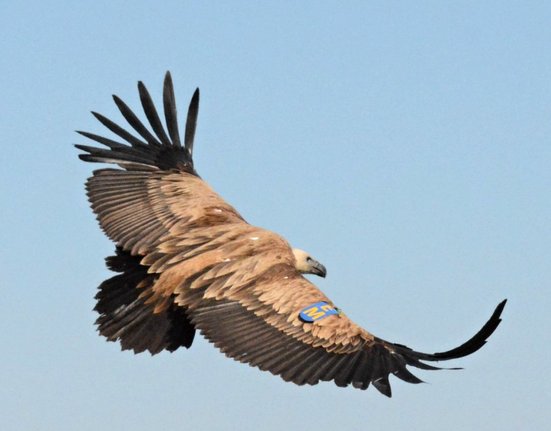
<point>262,326</point>
<point>157,195</point>
<point>154,208</point>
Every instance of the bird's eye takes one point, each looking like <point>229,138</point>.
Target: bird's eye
<point>309,259</point>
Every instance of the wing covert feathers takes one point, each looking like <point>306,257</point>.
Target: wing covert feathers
<point>187,260</point>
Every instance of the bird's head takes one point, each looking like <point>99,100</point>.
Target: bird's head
<point>305,264</point>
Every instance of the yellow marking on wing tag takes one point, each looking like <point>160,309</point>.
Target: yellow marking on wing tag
<point>317,311</point>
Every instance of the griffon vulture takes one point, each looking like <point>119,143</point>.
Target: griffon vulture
<point>186,261</point>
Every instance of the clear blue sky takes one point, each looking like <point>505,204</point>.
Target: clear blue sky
<point>406,145</point>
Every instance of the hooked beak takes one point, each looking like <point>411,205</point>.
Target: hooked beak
<point>317,268</point>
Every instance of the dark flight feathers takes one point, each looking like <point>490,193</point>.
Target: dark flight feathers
<point>149,151</point>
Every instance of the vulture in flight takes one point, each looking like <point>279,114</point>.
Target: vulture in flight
<point>187,260</point>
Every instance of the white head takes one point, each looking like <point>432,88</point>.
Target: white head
<point>305,264</point>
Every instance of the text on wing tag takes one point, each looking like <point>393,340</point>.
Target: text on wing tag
<point>317,311</point>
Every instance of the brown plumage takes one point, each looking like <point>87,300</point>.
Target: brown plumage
<point>187,260</point>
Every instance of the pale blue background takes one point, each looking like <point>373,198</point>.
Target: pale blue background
<point>406,145</point>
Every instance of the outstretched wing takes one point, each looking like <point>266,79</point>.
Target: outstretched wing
<point>283,324</point>
<point>187,260</point>
<point>157,195</point>
<point>155,208</point>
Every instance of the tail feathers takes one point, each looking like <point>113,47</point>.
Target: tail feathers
<point>125,315</point>
<point>149,151</point>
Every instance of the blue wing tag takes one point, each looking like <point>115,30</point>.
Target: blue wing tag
<point>317,311</point>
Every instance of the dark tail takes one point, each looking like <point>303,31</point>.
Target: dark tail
<point>125,316</point>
